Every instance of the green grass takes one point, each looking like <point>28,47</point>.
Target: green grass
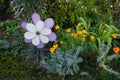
<point>14,67</point>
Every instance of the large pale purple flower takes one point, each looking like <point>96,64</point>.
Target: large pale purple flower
<point>39,32</point>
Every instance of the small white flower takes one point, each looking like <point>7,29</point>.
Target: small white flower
<point>37,33</point>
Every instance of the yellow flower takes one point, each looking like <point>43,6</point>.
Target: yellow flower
<point>116,50</point>
<point>79,24</point>
<point>55,46</point>
<point>114,36</point>
<point>52,49</point>
<point>83,38</point>
<point>57,27</point>
<point>68,30</point>
<point>61,42</point>
<point>84,35</point>
<point>74,35</point>
<point>92,37</point>
<point>79,32</point>
<point>84,31</point>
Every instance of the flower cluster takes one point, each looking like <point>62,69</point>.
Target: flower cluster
<point>72,36</point>
<point>81,33</point>
<point>116,50</point>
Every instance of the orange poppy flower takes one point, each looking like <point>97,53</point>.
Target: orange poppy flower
<point>68,30</point>
<point>114,36</point>
<point>74,35</point>
<point>92,37</point>
<point>52,49</point>
<point>57,27</point>
<point>79,32</point>
<point>83,39</point>
<point>79,24</point>
<point>116,50</point>
<point>55,46</point>
<point>84,31</point>
<point>61,42</point>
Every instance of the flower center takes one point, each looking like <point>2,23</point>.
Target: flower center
<point>37,33</point>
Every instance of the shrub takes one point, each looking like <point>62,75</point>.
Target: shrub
<point>67,13</point>
<point>5,10</point>
<point>63,63</point>
<point>12,36</point>
<point>24,8</point>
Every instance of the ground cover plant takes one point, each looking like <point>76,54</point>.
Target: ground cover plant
<point>60,40</point>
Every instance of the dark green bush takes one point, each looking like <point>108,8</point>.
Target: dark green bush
<point>5,10</point>
<point>13,35</point>
<point>23,9</point>
<point>67,13</point>
<point>96,11</point>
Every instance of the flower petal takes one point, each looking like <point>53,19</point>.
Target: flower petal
<point>52,36</point>
<point>41,45</point>
<point>35,18</point>
<point>29,35</point>
<point>23,25</point>
<point>27,40</point>
<point>31,27</point>
<point>49,22</point>
<point>46,31</point>
<point>44,39</point>
<point>39,25</point>
<point>36,40</point>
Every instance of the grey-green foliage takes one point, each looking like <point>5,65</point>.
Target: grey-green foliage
<point>4,44</point>
<point>111,71</point>
<point>24,8</point>
<point>12,47</point>
<point>63,62</point>
<point>104,50</point>
<point>113,56</point>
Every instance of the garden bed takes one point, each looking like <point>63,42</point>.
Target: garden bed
<point>59,40</point>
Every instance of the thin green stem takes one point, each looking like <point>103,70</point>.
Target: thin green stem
<point>38,56</point>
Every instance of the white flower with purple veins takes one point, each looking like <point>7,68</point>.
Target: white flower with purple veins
<point>39,32</point>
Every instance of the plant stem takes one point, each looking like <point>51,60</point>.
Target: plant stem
<point>38,57</point>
